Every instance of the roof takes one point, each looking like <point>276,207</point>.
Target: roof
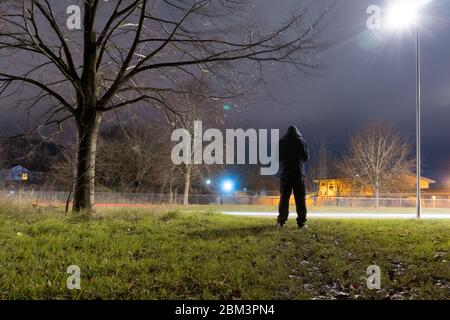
<point>19,167</point>
<point>428,179</point>
<point>332,179</point>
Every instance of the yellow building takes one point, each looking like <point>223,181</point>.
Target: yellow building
<point>342,187</point>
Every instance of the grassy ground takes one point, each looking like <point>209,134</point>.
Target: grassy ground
<point>171,254</point>
<point>335,209</point>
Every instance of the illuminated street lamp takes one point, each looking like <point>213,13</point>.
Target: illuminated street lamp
<point>402,14</point>
<point>228,186</point>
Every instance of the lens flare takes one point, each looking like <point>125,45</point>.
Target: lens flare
<point>402,14</point>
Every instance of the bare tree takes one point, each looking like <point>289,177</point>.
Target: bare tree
<point>127,53</point>
<point>377,157</point>
<point>323,159</point>
<point>196,104</point>
<point>133,157</point>
<point>320,167</point>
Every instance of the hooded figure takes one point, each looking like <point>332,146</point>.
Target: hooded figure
<point>293,153</point>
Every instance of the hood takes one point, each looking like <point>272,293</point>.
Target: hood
<point>293,132</point>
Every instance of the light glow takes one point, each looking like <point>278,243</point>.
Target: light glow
<point>228,186</point>
<point>402,14</point>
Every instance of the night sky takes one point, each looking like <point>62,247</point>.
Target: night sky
<point>370,78</point>
<point>365,77</point>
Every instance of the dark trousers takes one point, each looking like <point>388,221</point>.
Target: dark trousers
<point>287,185</point>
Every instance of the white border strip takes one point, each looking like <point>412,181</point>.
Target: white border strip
<point>328,215</point>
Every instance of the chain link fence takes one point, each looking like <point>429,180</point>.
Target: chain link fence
<point>111,199</point>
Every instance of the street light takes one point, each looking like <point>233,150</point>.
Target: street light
<point>401,14</point>
<point>227,186</point>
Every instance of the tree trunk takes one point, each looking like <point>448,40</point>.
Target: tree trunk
<point>187,184</point>
<point>377,198</point>
<point>170,192</point>
<point>84,197</point>
<point>175,196</point>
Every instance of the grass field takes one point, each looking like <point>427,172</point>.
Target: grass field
<point>200,254</point>
<point>317,209</point>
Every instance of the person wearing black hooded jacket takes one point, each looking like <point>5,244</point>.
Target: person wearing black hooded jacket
<point>293,153</point>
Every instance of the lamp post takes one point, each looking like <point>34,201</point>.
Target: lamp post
<point>418,122</point>
<point>401,14</point>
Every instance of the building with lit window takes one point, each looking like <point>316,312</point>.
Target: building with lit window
<point>19,174</point>
<point>345,187</point>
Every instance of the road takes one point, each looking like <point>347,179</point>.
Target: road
<point>330,215</point>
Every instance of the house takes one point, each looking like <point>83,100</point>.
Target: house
<point>441,192</point>
<point>341,187</point>
<point>19,174</point>
<point>344,187</point>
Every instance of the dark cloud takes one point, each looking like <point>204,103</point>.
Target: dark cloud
<point>365,78</point>
<point>370,79</point>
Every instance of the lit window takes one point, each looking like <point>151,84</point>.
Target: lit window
<point>24,176</point>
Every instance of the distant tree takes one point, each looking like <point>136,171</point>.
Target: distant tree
<point>131,156</point>
<point>320,167</point>
<point>32,152</point>
<point>194,103</point>
<point>377,157</point>
<point>61,173</point>
<point>323,159</point>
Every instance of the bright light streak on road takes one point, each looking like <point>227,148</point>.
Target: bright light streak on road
<point>337,215</point>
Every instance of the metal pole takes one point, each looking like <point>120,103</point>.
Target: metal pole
<point>418,122</point>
